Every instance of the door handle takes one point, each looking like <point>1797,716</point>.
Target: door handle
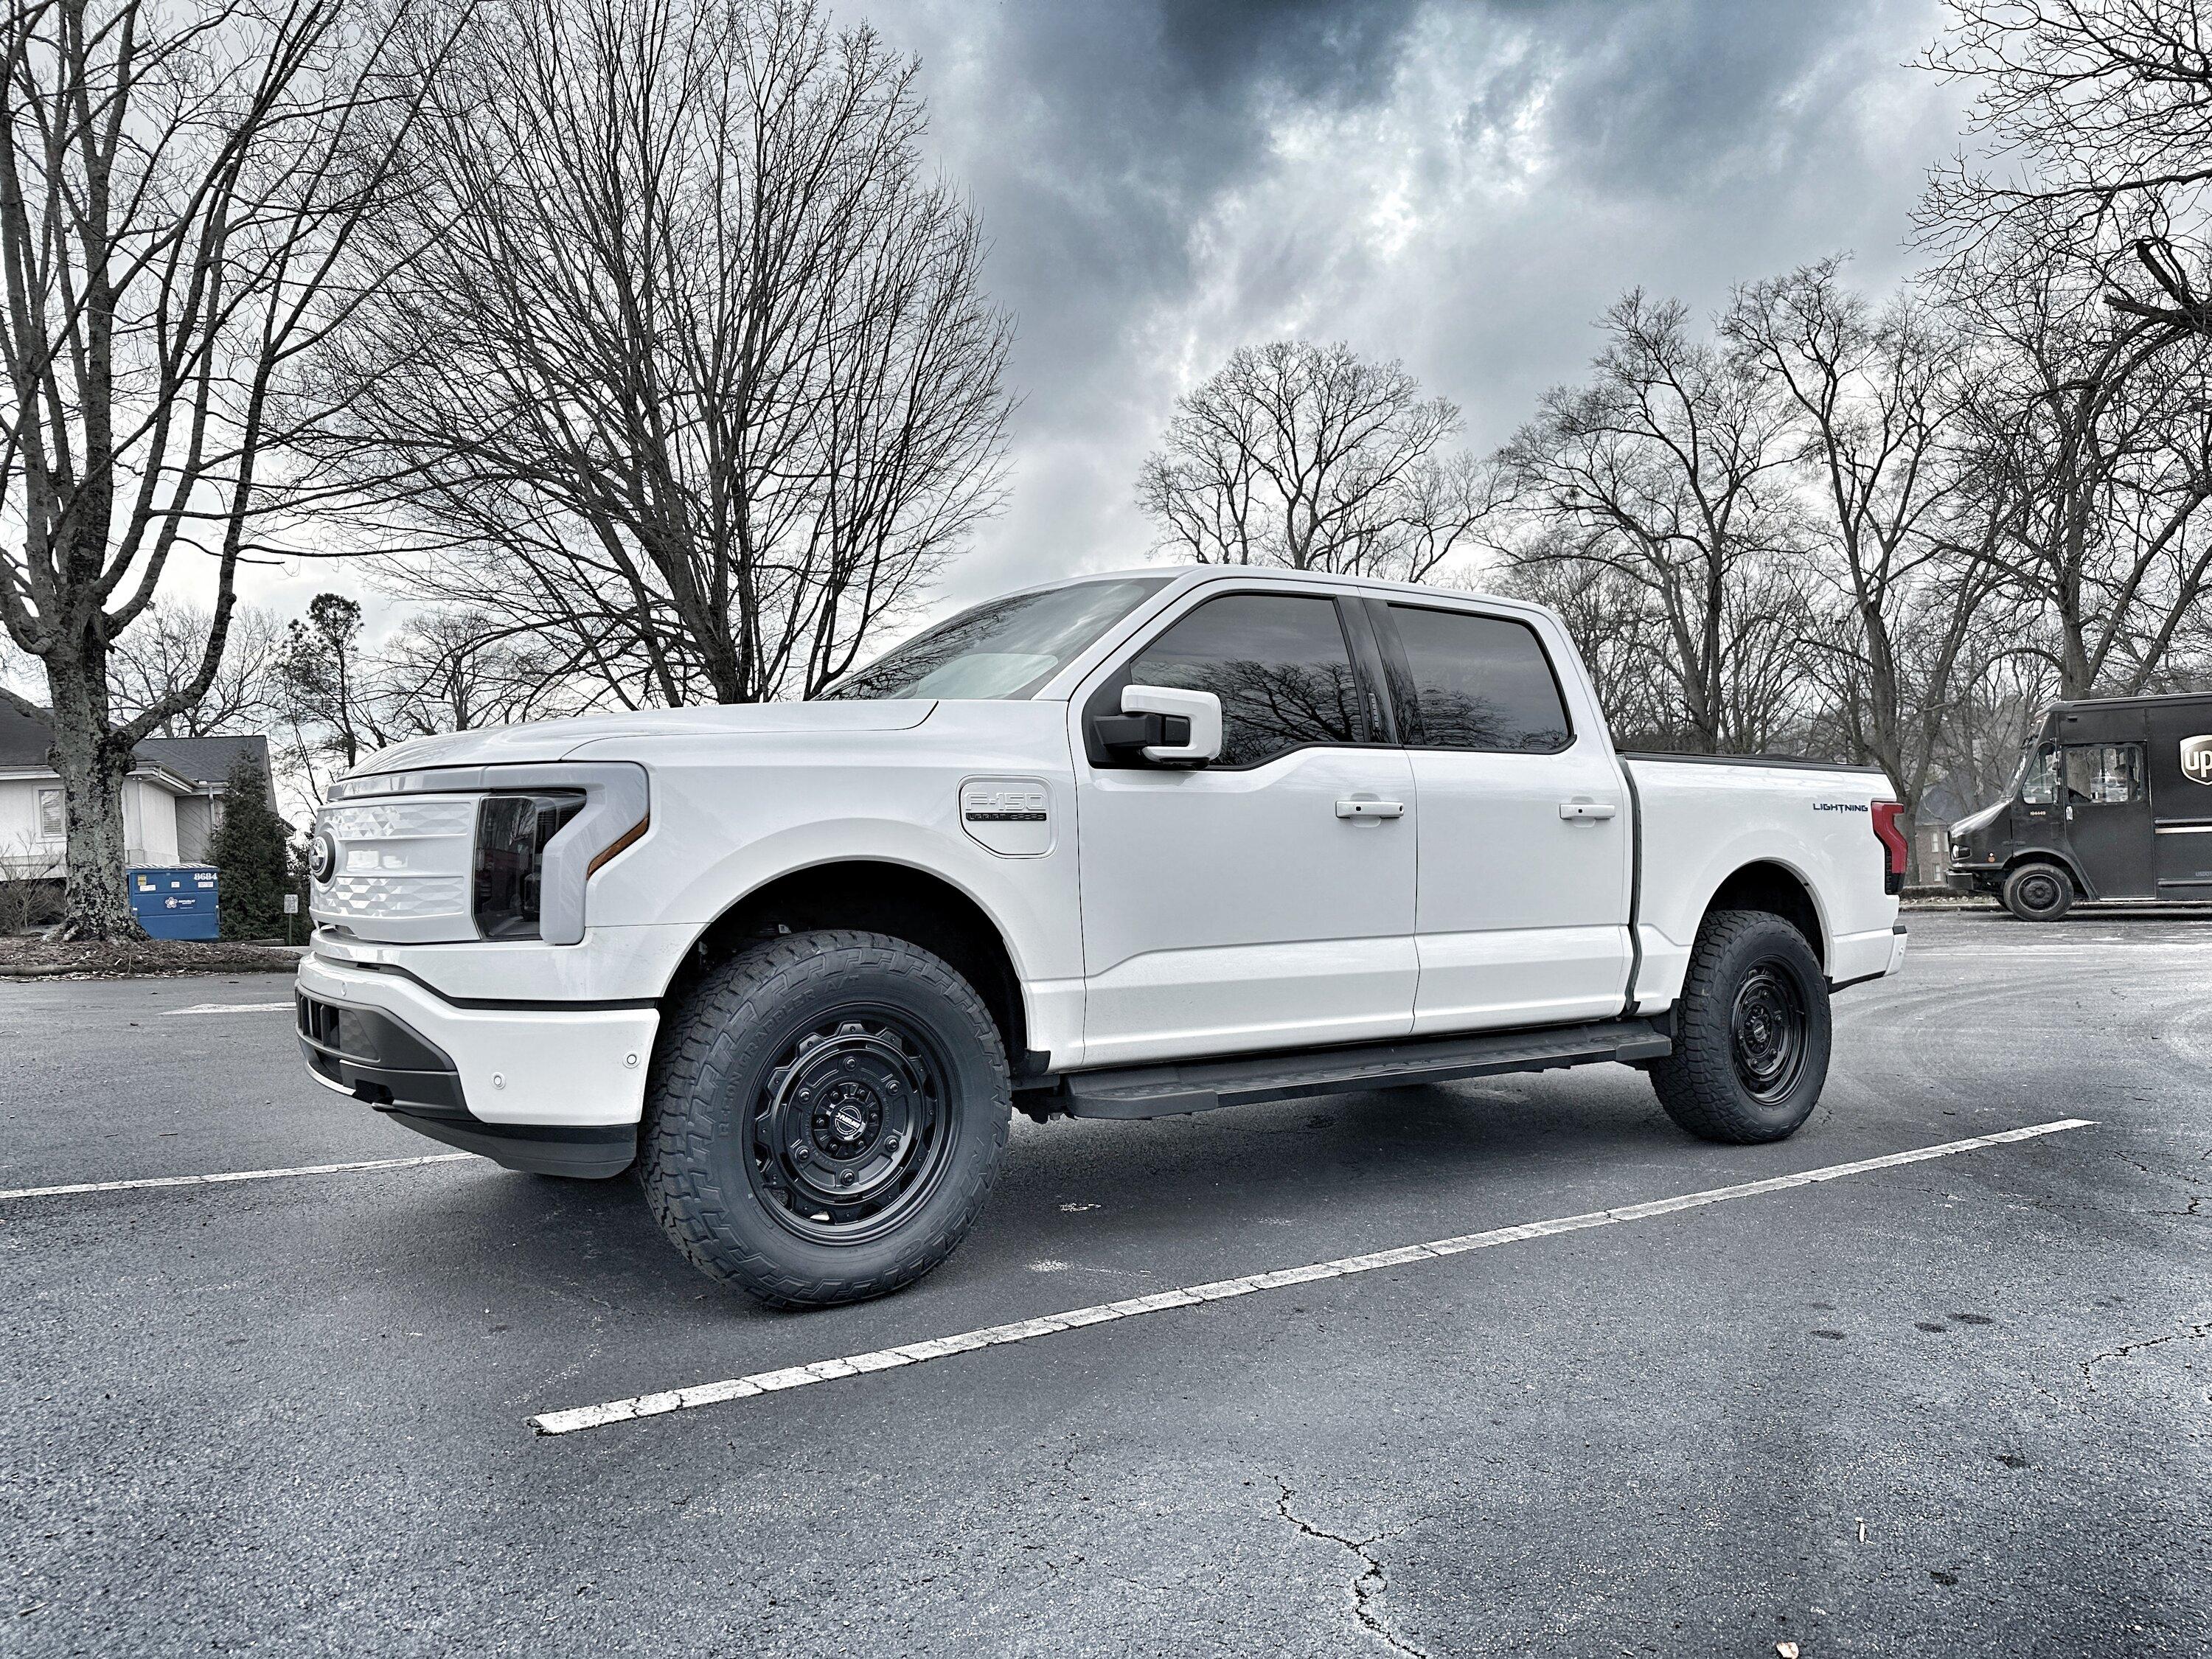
<point>1577,812</point>
<point>1366,806</point>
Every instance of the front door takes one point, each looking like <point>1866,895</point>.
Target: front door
<point>1248,904</point>
<point>2108,817</point>
<point>1522,917</point>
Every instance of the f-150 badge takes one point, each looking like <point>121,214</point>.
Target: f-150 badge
<point>1012,816</point>
<point>2197,758</point>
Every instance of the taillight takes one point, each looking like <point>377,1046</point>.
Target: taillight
<point>512,831</point>
<point>1888,831</point>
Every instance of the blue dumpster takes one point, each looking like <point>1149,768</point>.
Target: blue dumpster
<point>175,904</point>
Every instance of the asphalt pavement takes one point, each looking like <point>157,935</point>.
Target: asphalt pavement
<point>1954,1406</point>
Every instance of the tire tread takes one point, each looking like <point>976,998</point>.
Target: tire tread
<point>690,1072</point>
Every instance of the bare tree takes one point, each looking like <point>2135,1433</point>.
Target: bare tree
<point>697,375</point>
<point>1312,457</point>
<point>2093,120</point>
<point>2097,426</point>
<point>1664,471</point>
<point>159,660</point>
<point>180,187</point>
<point>455,669</point>
<point>1878,402</point>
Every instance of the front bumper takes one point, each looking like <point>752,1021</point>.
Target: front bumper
<point>556,1089</point>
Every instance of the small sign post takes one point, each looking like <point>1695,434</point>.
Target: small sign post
<point>291,909</point>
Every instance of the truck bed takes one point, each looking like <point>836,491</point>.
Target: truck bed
<point>1701,817</point>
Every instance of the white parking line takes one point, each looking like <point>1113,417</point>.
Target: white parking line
<point>232,1008</point>
<point>913,1354</point>
<point>228,1176</point>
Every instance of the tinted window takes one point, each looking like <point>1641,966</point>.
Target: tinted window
<point>1477,683</point>
<point>2039,777</point>
<point>1278,662</point>
<point>1003,649</point>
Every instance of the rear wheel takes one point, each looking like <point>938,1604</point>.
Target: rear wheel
<point>2039,891</point>
<point>826,1117</point>
<point>1750,1032</point>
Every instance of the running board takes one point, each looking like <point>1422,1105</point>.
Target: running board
<point>1200,1086</point>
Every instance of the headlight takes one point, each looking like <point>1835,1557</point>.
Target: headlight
<point>500,852</point>
<point>512,834</point>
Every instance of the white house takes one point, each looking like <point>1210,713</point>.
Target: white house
<point>172,799</point>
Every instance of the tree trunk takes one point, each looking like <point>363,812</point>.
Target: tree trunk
<point>92,763</point>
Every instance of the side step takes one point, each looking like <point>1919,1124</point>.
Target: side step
<point>1200,1086</point>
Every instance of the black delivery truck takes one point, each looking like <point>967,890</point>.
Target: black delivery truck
<point>2113,800</point>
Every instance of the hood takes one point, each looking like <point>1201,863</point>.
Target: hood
<point>551,740</point>
<point>1974,821</point>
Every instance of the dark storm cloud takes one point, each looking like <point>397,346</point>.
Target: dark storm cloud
<point>1463,184</point>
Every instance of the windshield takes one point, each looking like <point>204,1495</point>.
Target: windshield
<point>1002,648</point>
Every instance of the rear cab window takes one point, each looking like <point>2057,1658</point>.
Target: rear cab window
<point>1459,679</point>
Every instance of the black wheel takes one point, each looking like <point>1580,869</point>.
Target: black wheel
<point>1750,1032</point>
<point>2039,891</point>
<point>827,1114</point>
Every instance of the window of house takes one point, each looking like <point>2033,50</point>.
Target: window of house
<point>51,820</point>
<point>1478,683</point>
<point>1279,663</point>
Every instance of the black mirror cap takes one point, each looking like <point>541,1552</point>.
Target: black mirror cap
<point>1125,736</point>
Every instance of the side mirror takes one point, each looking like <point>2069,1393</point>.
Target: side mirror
<point>1168,727</point>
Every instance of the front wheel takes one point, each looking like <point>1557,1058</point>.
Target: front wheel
<point>2039,891</point>
<point>827,1116</point>
<point>1750,1032</point>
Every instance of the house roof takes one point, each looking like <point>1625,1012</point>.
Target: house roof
<point>24,741</point>
<point>205,760</point>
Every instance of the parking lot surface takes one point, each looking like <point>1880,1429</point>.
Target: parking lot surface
<point>1958,1404</point>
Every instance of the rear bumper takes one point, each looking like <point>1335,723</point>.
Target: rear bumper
<point>554,1089</point>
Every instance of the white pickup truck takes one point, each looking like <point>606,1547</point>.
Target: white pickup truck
<point>1119,847</point>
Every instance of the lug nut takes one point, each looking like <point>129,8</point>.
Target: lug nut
<point>891,1143</point>
<point>846,1179</point>
<point>801,1153</point>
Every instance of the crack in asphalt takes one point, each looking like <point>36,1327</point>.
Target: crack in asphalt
<point>1372,1580</point>
<point>2193,1334</point>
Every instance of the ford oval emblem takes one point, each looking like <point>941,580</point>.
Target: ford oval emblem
<point>322,857</point>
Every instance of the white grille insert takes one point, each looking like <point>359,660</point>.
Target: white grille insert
<point>402,868</point>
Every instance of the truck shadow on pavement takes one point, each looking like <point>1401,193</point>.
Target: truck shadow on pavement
<point>1137,1204</point>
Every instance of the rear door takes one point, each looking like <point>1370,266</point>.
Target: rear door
<point>1266,901</point>
<point>1522,887</point>
<point>2108,821</point>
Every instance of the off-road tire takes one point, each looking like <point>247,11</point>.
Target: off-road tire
<point>717,1052</point>
<point>2038,890</point>
<point>1702,1084</point>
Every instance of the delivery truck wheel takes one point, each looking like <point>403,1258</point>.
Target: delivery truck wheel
<point>827,1114</point>
<point>1750,1032</point>
<point>2039,891</point>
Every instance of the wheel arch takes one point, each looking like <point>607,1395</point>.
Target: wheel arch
<point>876,895</point>
<point>1775,888</point>
<point>2047,855</point>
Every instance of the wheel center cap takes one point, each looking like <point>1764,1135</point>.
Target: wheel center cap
<point>850,1121</point>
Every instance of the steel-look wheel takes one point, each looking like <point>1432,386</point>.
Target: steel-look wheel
<point>1767,1026</point>
<point>826,1116</point>
<point>1750,1032</point>
<point>851,1129</point>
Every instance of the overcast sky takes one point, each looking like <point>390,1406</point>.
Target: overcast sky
<point>1463,186</point>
